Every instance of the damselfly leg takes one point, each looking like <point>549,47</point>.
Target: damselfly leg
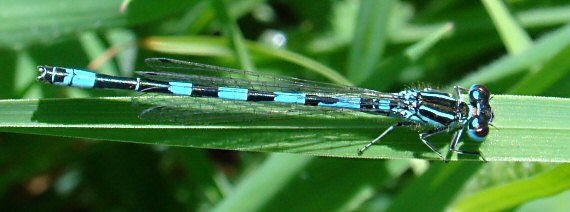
<point>399,124</point>
<point>453,145</point>
<point>429,133</point>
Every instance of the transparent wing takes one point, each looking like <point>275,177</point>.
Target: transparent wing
<point>190,110</point>
<point>203,74</point>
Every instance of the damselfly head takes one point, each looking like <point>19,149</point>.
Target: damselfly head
<point>478,124</point>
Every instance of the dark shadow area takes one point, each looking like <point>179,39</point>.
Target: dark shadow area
<point>87,111</point>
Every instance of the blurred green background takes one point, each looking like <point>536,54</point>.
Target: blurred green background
<point>513,47</point>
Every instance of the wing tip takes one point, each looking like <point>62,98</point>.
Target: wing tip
<point>145,73</point>
<point>159,59</point>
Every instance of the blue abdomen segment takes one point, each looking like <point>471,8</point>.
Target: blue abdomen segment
<point>73,77</point>
<point>180,88</point>
<point>341,102</point>
<point>291,98</point>
<point>83,79</point>
<point>233,93</point>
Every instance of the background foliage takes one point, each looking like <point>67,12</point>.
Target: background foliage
<point>513,47</point>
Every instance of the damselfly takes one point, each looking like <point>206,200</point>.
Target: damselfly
<point>440,111</point>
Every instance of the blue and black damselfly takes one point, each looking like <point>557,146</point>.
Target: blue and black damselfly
<point>440,111</point>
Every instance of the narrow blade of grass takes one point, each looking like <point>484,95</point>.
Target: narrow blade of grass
<point>50,20</point>
<point>282,175</point>
<point>234,34</point>
<point>514,37</point>
<point>538,82</point>
<point>389,69</point>
<point>544,16</point>
<point>544,49</point>
<point>511,195</point>
<point>289,165</point>
<point>435,189</point>
<point>529,129</point>
<point>369,38</point>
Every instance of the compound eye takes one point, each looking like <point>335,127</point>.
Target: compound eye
<point>477,129</point>
<point>478,93</point>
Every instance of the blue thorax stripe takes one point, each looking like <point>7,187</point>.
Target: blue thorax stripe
<point>437,95</point>
<point>432,120</point>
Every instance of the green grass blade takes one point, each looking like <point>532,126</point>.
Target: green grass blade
<point>369,38</point>
<point>544,16</point>
<point>50,20</point>
<point>283,175</point>
<point>558,202</point>
<point>266,181</point>
<point>514,37</point>
<point>529,129</point>
<point>234,34</point>
<point>553,71</point>
<point>435,189</point>
<point>544,49</point>
<point>511,195</point>
<point>420,48</point>
<point>389,69</point>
